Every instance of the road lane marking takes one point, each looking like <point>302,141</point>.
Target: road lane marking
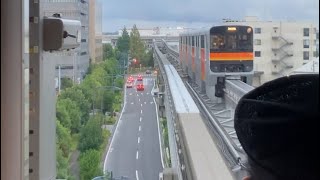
<point>151,102</point>
<point>139,128</point>
<point>141,105</point>
<point>130,94</point>
<point>140,119</point>
<point>147,93</point>
<point>137,94</point>
<point>137,155</point>
<point>137,177</point>
<point>141,111</point>
<point>145,102</point>
<point>132,103</point>
<point>111,149</point>
<point>139,99</point>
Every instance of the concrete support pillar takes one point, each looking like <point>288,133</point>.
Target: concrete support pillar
<point>12,91</point>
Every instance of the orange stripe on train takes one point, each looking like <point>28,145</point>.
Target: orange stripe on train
<point>245,56</point>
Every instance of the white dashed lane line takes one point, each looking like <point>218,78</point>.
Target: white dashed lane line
<point>137,177</point>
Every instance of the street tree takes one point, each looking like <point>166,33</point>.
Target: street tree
<point>76,94</point>
<point>63,139</point>
<point>137,48</point>
<point>89,164</point>
<point>62,113</point>
<point>91,135</point>
<point>108,51</point>
<point>123,43</point>
<point>66,83</point>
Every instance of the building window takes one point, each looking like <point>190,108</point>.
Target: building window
<point>257,54</point>
<point>305,55</point>
<point>257,42</point>
<point>306,43</point>
<point>257,30</point>
<point>305,31</point>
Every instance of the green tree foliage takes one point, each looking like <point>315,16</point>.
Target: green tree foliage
<point>147,59</point>
<point>73,113</point>
<point>66,83</point>
<point>63,139</point>
<point>76,94</point>
<point>137,48</point>
<point>63,114</point>
<point>110,66</point>
<point>89,164</point>
<point>91,135</point>
<point>117,102</point>
<point>107,51</point>
<point>62,165</point>
<point>123,43</point>
<point>118,82</point>
<point>89,87</point>
<point>108,101</point>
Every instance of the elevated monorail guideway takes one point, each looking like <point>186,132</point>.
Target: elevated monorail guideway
<point>220,114</point>
<point>198,156</point>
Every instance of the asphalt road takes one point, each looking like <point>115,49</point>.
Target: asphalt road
<point>134,150</point>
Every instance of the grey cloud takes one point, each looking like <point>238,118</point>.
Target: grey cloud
<point>207,11</point>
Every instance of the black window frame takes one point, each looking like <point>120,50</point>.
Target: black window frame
<point>306,32</point>
<point>257,53</point>
<point>306,55</point>
<point>257,30</point>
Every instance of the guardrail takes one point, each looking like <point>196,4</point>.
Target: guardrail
<point>174,154</point>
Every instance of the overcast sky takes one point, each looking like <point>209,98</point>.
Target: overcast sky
<point>201,13</point>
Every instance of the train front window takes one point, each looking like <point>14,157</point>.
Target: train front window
<point>222,40</point>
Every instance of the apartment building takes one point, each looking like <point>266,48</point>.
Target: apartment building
<point>280,46</point>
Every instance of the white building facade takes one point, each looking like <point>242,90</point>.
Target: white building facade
<point>280,47</point>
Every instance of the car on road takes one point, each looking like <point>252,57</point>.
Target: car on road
<point>130,79</point>
<point>139,78</point>
<point>148,72</point>
<point>140,87</point>
<point>129,85</point>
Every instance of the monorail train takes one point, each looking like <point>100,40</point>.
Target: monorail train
<point>210,56</point>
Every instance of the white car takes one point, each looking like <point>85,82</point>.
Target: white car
<point>129,85</point>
